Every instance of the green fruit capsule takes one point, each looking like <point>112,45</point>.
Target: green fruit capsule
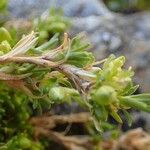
<point>24,143</point>
<point>105,95</point>
<point>4,35</point>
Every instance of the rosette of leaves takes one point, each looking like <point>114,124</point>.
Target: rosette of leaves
<point>113,91</point>
<point>36,76</point>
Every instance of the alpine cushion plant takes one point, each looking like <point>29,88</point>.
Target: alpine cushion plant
<point>34,77</point>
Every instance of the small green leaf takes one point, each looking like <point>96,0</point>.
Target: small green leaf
<point>100,113</point>
<point>145,98</point>
<point>47,45</point>
<point>134,103</point>
<point>128,117</point>
<point>131,90</point>
<point>35,104</point>
<point>116,116</point>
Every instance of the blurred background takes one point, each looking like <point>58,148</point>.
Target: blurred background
<point>121,27</point>
<point>127,6</point>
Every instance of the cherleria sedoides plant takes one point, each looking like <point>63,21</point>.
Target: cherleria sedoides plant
<point>34,78</point>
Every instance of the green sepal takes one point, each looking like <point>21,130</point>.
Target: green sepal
<point>47,45</point>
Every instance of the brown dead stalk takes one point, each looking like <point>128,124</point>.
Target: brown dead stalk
<point>43,127</point>
<point>49,122</point>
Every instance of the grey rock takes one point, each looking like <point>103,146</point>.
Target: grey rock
<point>102,32</point>
<point>141,118</point>
<point>80,8</point>
<point>71,8</point>
<point>27,8</point>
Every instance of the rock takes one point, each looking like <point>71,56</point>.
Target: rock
<point>103,35</point>
<point>80,8</point>
<point>71,8</point>
<point>27,8</point>
<point>139,119</point>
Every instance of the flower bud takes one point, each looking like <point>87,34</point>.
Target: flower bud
<point>104,95</point>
